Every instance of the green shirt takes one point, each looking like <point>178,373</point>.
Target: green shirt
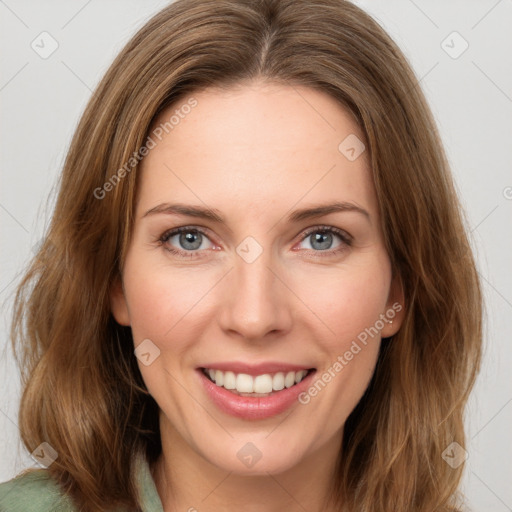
<point>37,492</point>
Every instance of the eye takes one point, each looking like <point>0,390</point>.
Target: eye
<point>190,241</point>
<point>185,240</point>
<point>322,238</point>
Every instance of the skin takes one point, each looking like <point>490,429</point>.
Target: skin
<point>255,153</point>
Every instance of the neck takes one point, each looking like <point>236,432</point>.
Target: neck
<point>186,481</point>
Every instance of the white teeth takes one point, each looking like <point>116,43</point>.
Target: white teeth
<point>244,383</point>
<point>261,384</point>
<point>278,381</point>
<point>229,380</point>
<point>289,380</point>
<point>300,375</point>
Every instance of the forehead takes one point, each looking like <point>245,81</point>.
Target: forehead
<point>255,145</point>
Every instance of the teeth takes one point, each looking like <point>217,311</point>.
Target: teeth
<point>244,383</point>
<point>289,380</point>
<point>261,384</point>
<point>278,381</point>
<point>229,380</point>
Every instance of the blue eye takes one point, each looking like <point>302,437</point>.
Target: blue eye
<point>322,238</point>
<point>189,241</point>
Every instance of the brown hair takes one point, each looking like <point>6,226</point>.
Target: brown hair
<point>83,392</point>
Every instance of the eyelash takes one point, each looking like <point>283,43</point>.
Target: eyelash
<point>345,238</point>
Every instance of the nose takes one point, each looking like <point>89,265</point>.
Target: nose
<point>256,300</point>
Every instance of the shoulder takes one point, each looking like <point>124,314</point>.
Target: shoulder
<point>33,491</point>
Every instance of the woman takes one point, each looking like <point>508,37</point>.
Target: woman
<point>256,289</point>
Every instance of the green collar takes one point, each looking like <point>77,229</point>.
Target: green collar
<point>150,500</point>
<point>35,491</point>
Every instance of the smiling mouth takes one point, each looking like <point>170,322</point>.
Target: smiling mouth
<point>263,385</point>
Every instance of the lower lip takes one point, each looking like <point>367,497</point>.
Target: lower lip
<point>256,408</point>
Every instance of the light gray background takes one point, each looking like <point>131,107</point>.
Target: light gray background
<point>471,97</point>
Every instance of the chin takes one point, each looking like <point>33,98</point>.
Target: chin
<point>257,457</point>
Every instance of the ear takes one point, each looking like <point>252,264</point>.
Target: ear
<point>394,314</point>
<point>118,304</point>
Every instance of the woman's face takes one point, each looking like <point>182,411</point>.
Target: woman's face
<point>280,274</point>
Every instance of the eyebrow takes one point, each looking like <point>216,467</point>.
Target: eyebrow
<point>296,216</point>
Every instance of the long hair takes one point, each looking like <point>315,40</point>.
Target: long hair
<point>83,392</point>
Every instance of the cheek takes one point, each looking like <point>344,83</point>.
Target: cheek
<point>356,308</point>
<point>161,301</point>
<point>167,307</point>
<point>344,302</point>
<point>347,302</point>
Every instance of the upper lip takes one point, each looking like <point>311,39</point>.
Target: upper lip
<point>256,369</point>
